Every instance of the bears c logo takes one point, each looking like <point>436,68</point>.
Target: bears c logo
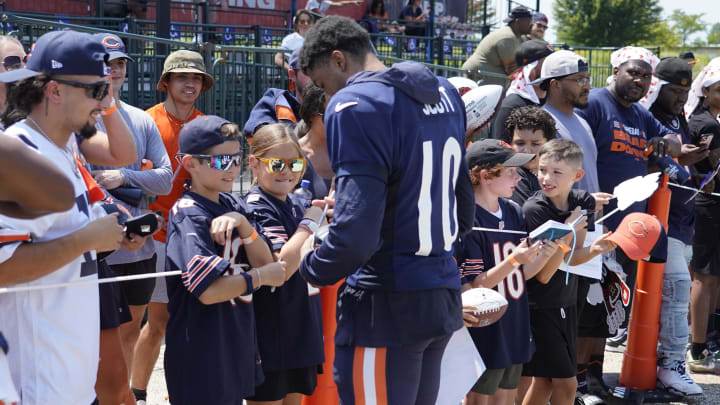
<point>638,229</point>
<point>111,42</point>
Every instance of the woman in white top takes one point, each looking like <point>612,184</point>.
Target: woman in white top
<point>301,23</point>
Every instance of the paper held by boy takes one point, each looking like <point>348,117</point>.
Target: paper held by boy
<point>633,190</point>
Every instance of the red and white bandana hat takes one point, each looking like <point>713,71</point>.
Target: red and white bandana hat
<point>628,53</point>
<point>521,84</point>
<point>709,76</point>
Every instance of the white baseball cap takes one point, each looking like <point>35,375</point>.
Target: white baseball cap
<point>561,63</point>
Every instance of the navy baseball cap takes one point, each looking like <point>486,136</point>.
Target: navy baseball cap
<point>114,46</point>
<point>492,152</point>
<point>201,134</point>
<point>63,53</point>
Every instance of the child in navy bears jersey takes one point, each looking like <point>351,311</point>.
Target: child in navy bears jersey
<point>211,353</point>
<point>502,261</point>
<point>289,318</point>
<point>553,295</point>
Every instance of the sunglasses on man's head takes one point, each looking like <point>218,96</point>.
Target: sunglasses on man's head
<point>221,162</point>
<point>13,62</point>
<point>277,165</point>
<point>97,90</point>
<point>304,22</point>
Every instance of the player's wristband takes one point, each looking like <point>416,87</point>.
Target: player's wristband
<point>512,261</point>
<point>250,239</point>
<point>113,107</point>
<point>248,282</point>
<point>309,224</point>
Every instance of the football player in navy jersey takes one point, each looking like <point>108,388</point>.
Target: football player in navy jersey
<point>403,195</point>
<point>289,318</point>
<point>502,261</point>
<point>211,354</point>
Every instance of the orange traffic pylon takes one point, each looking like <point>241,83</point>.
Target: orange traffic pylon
<point>639,368</point>
<point>326,390</point>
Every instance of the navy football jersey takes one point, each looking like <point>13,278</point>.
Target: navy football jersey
<point>288,318</point>
<point>211,353</point>
<point>396,143</point>
<point>509,340</point>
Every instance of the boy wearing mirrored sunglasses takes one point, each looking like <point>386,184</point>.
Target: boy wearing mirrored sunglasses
<point>211,353</point>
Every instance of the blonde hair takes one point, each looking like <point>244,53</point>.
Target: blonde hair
<point>269,136</point>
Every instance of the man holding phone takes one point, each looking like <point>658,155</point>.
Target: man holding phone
<point>665,100</point>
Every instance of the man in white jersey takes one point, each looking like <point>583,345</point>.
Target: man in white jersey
<point>54,333</point>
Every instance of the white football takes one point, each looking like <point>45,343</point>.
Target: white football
<point>489,304</point>
<point>481,104</point>
<point>462,84</point>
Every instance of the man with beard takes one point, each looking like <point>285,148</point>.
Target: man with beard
<point>63,89</point>
<point>496,52</point>
<point>565,77</point>
<point>665,100</point>
<point>626,135</point>
<point>391,237</point>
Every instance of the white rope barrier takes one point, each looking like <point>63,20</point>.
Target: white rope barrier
<point>6,290</point>
<point>478,228</point>
<point>692,189</point>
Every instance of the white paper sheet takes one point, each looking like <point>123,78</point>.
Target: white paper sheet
<point>460,370</point>
<point>592,268</point>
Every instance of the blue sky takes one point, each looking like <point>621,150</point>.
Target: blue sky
<point>711,8</point>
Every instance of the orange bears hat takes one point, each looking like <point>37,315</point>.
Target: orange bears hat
<point>641,236</point>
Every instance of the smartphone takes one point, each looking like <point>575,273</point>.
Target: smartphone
<point>705,139</point>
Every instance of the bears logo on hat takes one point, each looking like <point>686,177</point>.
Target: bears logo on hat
<point>111,42</point>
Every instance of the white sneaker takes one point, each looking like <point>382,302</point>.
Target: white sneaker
<point>141,402</point>
<point>676,380</point>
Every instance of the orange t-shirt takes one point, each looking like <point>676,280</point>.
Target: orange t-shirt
<point>169,127</point>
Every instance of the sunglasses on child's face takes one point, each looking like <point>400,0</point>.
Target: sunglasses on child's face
<point>277,165</point>
<point>221,162</point>
<point>97,90</point>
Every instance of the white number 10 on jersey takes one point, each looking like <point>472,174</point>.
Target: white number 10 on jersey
<point>451,155</point>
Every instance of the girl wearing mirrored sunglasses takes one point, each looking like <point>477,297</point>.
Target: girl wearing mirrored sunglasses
<point>288,318</point>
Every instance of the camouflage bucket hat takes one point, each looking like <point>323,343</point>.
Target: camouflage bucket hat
<point>185,62</point>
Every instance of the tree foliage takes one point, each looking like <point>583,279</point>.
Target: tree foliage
<point>686,24</point>
<point>475,11</point>
<point>607,22</point>
<point>663,36</point>
<point>714,35</point>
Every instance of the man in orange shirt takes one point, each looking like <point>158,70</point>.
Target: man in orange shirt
<point>183,79</point>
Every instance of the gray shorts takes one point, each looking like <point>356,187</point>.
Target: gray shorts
<point>492,379</point>
<point>160,292</point>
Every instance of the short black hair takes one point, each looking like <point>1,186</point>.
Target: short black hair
<point>313,103</point>
<point>329,34</point>
<point>529,117</point>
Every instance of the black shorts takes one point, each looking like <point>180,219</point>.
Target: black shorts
<point>278,384</point>
<point>114,310</point>
<point>555,333</point>
<point>137,292</point>
<point>603,319</point>
<point>706,244</point>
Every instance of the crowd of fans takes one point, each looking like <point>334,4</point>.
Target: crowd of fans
<point>396,190</point>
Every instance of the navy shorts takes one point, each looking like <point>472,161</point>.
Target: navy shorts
<point>113,307</point>
<point>137,292</point>
<point>408,374</point>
